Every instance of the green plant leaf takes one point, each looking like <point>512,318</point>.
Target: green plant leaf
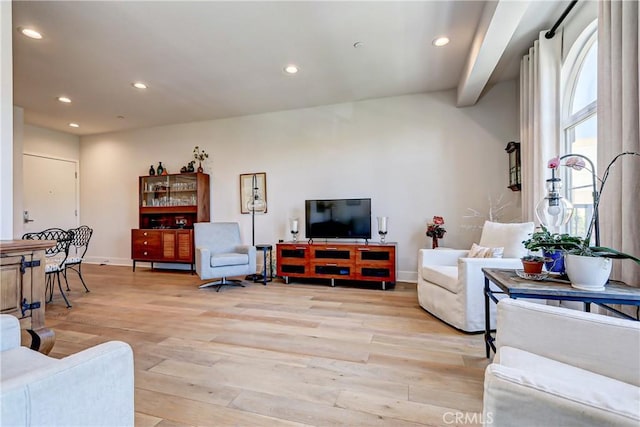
<point>603,251</point>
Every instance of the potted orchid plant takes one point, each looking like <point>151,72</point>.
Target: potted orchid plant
<point>589,267</point>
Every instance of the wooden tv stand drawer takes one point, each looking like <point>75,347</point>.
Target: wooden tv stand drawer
<point>293,259</point>
<point>349,261</point>
<point>376,263</point>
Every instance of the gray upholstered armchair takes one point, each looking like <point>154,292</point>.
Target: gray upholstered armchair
<point>221,254</point>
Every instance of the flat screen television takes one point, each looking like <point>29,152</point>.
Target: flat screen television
<point>338,219</point>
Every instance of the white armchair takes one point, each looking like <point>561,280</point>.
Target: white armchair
<point>221,254</point>
<point>560,367</point>
<point>450,285</point>
<point>91,388</point>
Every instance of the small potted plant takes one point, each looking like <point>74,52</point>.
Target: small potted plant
<point>532,264</point>
<point>553,247</point>
<point>200,155</point>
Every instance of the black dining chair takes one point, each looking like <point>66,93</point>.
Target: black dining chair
<point>77,250</point>
<point>55,256</point>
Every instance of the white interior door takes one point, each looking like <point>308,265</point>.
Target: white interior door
<point>50,194</point>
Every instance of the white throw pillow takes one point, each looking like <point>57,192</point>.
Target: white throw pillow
<point>478,251</point>
<point>507,236</point>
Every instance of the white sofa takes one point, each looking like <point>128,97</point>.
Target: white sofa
<point>559,367</point>
<point>450,285</point>
<point>91,388</point>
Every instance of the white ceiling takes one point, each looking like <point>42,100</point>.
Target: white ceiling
<point>206,60</point>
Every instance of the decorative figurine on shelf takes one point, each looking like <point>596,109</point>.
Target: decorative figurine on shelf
<point>199,155</point>
<point>190,167</point>
<point>152,171</point>
<point>183,169</point>
<point>435,230</point>
<point>165,171</point>
<point>160,168</point>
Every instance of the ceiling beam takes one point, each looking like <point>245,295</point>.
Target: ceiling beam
<point>499,21</point>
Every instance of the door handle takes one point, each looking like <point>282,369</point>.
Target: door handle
<point>25,217</point>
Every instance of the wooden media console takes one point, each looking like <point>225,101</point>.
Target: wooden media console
<point>373,262</point>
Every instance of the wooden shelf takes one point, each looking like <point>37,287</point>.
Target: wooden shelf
<point>161,212</point>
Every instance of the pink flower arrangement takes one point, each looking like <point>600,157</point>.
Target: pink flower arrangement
<point>435,227</point>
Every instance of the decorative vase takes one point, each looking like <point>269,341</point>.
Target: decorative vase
<point>555,263</point>
<point>588,273</point>
<point>152,171</point>
<point>200,170</point>
<point>434,242</point>
<point>190,167</point>
<point>160,168</point>
<point>532,267</point>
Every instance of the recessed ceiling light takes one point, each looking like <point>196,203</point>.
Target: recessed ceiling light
<point>64,99</point>
<point>30,32</point>
<point>139,85</point>
<point>291,69</point>
<point>358,44</point>
<point>74,125</point>
<point>440,41</point>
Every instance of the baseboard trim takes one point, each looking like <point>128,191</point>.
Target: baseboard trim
<point>402,276</point>
<point>407,276</point>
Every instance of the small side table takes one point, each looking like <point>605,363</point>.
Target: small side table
<point>264,277</point>
<point>552,289</point>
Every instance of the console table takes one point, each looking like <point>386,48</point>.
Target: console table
<point>22,264</point>
<point>551,289</point>
<point>346,261</point>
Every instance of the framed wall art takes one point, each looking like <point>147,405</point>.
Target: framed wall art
<point>253,186</point>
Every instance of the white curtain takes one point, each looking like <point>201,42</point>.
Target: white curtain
<point>539,118</point>
<point>619,130</point>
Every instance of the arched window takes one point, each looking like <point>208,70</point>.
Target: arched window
<point>580,130</point>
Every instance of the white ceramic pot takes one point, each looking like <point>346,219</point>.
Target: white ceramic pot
<point>588,273</point>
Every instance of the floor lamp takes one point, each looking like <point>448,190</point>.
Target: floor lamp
<point>259,205</point>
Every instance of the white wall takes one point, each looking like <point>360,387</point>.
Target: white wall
<point>6,122</point>
<point>51,143</point>
<point>416,156</point>
<point>17,174</point>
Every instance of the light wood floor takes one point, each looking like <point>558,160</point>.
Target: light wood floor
<point>297,354</point>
